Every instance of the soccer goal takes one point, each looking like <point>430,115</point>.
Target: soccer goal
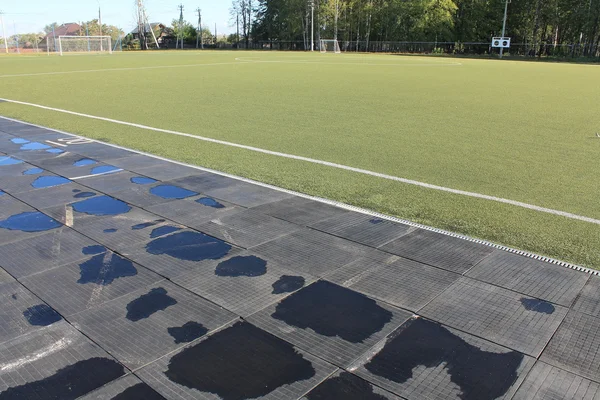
<point>329,46</point>
<point>84,44</point>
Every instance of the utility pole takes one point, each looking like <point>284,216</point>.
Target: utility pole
<point>199,34</point>
<point>180,34</point>
<point>312,25</point>
<point>504,25</point>
<point>237,21</point>
<point>3,32</point>
<point>16,36</point>
<point>216,34</point>
<point>100,24</point>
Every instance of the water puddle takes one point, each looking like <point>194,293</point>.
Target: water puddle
<point>19,141</point>
<point>84,195</point>
<point>49,181</point>
<point>422,343</point>
<point>163,230</point>
<point>103,269</point>
<point>70,382</point>
<point>84,162</point>
<point>146,224</point>
<point>536,305</point>
<point>344,386</point>
<point>189,246</point>
<point>110,230</point>
<point>249,266</point>
<point>210,365</point>
<point>102,205</point>
<point>141,391</point>
<point>9,161</point>
<point>33,171</point>
<point>33,221</point>
<point>189,332</point>
<point>41,315</point>
<point>94,249</point>
<point>147,304</point>
<point>142,180</point>
<point>35,146</point>
<point>375,221</point>
<point>55,151</point>
<point>171,192</point>
<point>332,310</point>
<point>288,284</point>
<point>207,201</point>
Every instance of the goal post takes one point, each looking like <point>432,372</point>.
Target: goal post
<point>329,46</point>
<point>84,44</point>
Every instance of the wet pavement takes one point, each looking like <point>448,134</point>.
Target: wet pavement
<point>128,277</point>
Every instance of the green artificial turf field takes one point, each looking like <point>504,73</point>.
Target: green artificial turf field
<point>522,131</point>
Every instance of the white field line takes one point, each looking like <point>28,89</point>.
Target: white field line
<point>325,163</point>
<point>100,174</point>
<point>122,69</point>
<point>59,345</point>
<point>249,60</point>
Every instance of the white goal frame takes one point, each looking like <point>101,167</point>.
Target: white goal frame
<point>329,46</point>
<point>101,44</point>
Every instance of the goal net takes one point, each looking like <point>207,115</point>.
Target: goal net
<point>84,44</point>
<point>329,46</point>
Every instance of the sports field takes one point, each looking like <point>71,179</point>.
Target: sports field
<point>518,131</point>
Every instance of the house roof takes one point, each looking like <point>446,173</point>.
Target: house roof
<point>153,25</point>
<point>70,29</point>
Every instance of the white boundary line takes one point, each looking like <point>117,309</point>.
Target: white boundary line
<point>326,163</point>
<point>336,204</point>
<point>123,69</point>
<point>93,175</point>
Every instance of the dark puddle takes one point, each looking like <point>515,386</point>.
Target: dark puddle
<point>190,331</point>
<point>345,386</point>
<point>142,180</point>
<point>110,230</point>
<point>481,375</point>
<point>259,362</point>
<point>288,284</point>
<point>83,162</point>
<point>242,266</point>
<point>103,269</point>
<point>332,310</point>
<point>95,249</point>
<point>146,224</point>
<point>34,221</point>
<point>55,151</point>
<point>1,192</point>
<point>189,246</point>
<point>141,391</point>
<point>163,230</point>
<point>102,205</point>
<point>84,195</point>
<point>147,304</point>
<point>49,181</point>
<point>9,161</point>
<point>19,141</point>
<point>207,201</point>
<point>171,192</point>
<point>35,146</point>
<point>104,169</point>
<point>41,315</point>
<point>537,305</point>
<point>69,382</point>
<point>33,171</point>
<point>14,296</point>
<point>375,221</point>
<point>76,190</point>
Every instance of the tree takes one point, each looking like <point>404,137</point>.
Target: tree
<point>50,27</point>
<point>92,28</point>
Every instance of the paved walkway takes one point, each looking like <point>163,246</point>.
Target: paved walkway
<point>128,277</point>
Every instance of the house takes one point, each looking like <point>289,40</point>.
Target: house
<point>51,39</point>
<point>163,33</point>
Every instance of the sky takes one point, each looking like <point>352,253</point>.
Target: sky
<point>27,16</point>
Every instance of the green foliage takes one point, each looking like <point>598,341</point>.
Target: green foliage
<point>92,28</point>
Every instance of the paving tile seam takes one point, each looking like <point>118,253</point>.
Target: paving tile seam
<point>349,207</point>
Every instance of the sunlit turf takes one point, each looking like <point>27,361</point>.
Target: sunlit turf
<point>517,130</point>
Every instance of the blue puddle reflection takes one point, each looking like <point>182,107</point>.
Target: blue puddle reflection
<point>207,201</point>
<point>49,181</point>
<point>19,141</point>
<point>83,162</point>
<point>189,246</point>
<point>171,192</point>
<point>9,161</point>
<point>34,221</point>
<point>84,195</point>
<point>249,266</point>
<point>41,315</point>
<point>142,180</point>
<point>163,230</point>
<point>33,171</point>
<point>104,169</point>
<point>146,224</point>
<point>1,192</point>
<point>102,205</point>
<point>93,250</point>
<point>35,146</point>
<point>103,269</point>
<point>55,151</point>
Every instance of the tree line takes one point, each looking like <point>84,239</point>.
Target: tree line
<point>562,27</point>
